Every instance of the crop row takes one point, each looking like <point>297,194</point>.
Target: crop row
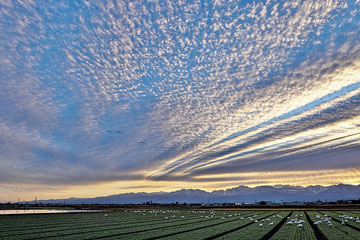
<point>296,227</point>
<point>196,224</point>
<point>350,219</point>
<point>85,226</point>
<point>117,227</point>
<point>31,221</point>
<point>210,231</point>
<point>259,228</point>
<point>174,231</point>
<point>59,221</point>
<point>333,230</point>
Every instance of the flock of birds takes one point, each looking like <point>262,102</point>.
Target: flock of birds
<point>264,221</point>
<point>344,218</point>
<point>120,132</point>
<point>296,219</point>
<point>171,214</point>
<point>109,131</point>
<point>171,148</point>
<point>157,212</point>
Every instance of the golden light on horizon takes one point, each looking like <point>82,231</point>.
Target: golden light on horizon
<point>207,182</point>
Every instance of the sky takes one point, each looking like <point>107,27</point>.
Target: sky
<point>107,97</point>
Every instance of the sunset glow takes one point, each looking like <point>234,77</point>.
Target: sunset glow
<point>108,97</point>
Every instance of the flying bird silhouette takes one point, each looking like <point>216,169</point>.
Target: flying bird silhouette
<point>142,143</point>
<point>109,131</point>
<point>119,132</point>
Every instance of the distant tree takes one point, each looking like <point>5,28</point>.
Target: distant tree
<point>263,203</point>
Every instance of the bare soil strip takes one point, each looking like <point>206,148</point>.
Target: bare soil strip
<point>120,228</point>
<point>318,234</point>
<point>171,234</point>
<point>194,229</point>
<point>235,229</point>
<point>49,225</point>
<point>275,229</point>
<point>72,223</point>
<point>116,228</point>
<point>71,226</point>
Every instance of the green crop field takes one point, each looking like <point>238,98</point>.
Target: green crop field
<point>185,224</point>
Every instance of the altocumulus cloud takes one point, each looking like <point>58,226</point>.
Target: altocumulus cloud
<point>199,91</point>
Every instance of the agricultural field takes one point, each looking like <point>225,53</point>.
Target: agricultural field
<point>185,224</point>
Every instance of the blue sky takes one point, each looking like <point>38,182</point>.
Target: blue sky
<point>205,94</point>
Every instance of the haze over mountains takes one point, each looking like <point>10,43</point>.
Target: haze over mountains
<point>240,194</point>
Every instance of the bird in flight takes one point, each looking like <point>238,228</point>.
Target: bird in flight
<point>142,143</point>
<point>109,131</point>
<point>119,132</point>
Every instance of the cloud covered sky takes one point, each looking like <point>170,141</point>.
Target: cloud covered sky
<point>207,95</point>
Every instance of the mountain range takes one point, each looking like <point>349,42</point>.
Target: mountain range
<point>240,194</point>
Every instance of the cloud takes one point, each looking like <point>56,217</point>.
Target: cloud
<point>210,88</point>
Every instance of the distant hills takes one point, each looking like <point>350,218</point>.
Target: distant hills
<point>240,194</point>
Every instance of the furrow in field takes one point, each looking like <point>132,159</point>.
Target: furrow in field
<point>336,219</point>
<point>318,233</point>
<point>70,227</point>
<point>123,230</point>
<point>258,229</point>
<point>225,233</point>
<point>296,227</point>
<point>275,229</point>
<point>158,233</point>
<point>204,232</point>
<point>332,229</point>
<point>44,223</point>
